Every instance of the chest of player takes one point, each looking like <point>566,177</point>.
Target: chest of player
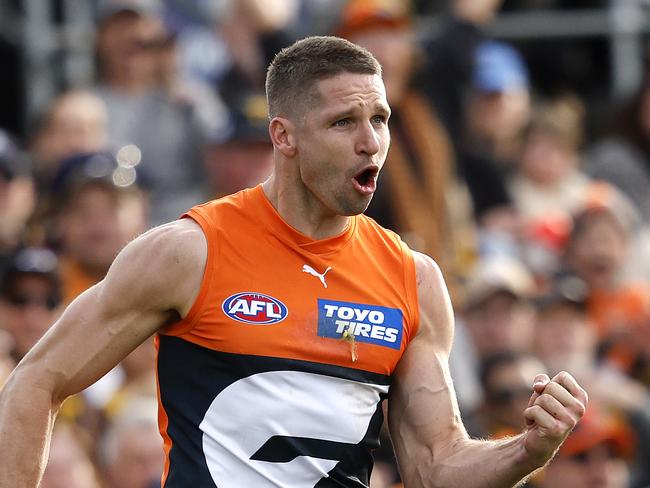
<point>272,300</point>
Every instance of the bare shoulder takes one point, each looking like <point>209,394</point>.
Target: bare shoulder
<point>180,242</point>
<point>436,314</point>
<point>163,266</point>
<point>427,270</point>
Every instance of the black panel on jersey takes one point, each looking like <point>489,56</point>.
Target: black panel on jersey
<point>357,460</point>
<point>191,376</point>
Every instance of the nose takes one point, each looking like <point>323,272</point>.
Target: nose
<point>368,140</point>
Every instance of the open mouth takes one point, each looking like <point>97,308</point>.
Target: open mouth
<point>366,180</point>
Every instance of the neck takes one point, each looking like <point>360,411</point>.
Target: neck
<point>299,208</point>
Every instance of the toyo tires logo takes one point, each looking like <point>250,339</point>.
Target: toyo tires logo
<point>255,308</point>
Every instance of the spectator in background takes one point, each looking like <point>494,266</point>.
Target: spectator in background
<point>618,308</point>
<point>130,39</point>
<point>420,196</point>
<point>30,302</point>
<point>498,107</point>
<point>97,209</point>
<point>129,34</point>
<point>566,340</point>
<point>17,198</point>
<point>499,103</point>
<point>548,179</point>
<point>496,317</point>
<point>254,32</point>
<point>506,379</point>
<point>449,61</point>
<point>593,456</point>
<point>622,157</point>
<point>497,311</point>
<point>241,156</point>
<point>30,299</point>
<point>192,94</point>
<point>549,186</point>
<point>69,464</point>
<point>131,454</point>
<point>74,123</point>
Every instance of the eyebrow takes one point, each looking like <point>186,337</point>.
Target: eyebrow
<point>382,109</point>
<point>379,109</point>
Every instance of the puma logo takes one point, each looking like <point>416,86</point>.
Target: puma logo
<point>308,269</point>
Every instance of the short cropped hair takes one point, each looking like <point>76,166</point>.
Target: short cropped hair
<point>291,77</point>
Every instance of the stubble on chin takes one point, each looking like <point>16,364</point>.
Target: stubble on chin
<point>350,206</point>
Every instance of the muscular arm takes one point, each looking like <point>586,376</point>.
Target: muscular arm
<point>431,443</point>
<point>152,281</point>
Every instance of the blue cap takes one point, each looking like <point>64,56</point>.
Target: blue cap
<point>499,67</point>
<point>31,261</point>
<point>99,168</point>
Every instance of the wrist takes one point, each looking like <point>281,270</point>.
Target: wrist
<point>527,458</point>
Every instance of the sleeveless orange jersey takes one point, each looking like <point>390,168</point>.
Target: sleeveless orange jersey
<point>275,377</point>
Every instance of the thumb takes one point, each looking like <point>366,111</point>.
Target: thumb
<point>540,382</point>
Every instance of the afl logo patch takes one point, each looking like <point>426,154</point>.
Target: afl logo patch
<point>254,308</point>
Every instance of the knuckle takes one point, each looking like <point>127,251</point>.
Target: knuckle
<point>534,409</point>
<point>555,429</point>
<point>546,398</point>
<point>557,391</point>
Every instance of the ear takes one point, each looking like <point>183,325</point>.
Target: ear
<point>283,136</point>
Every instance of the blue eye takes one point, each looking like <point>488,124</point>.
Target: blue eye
<point>378,119</point>
<point>341,123</point>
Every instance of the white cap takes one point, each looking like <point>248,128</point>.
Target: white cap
<point>498,274</point>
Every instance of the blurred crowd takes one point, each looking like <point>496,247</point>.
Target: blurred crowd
<point>540,226</point>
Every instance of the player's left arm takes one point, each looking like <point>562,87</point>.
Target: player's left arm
<point>432,446</point>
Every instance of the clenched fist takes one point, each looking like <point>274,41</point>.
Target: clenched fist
<point>554,409</point>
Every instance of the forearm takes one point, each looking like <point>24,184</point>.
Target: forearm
<point>26,417</point>
<point>473,463</point>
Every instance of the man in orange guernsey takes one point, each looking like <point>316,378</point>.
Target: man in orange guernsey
<point>283,317</point>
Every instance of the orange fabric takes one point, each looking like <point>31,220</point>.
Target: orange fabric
<point>502,432</point>
<point>359,15</point>
<point>622,307</point>
<point>621,317</point>
<point>251,249</point>
<point>74,280</point>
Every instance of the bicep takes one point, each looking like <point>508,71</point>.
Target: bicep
<point>150,280</point>
<point>423,413</point>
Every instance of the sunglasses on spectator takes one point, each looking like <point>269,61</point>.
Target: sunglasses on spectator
<point>23,300</point>
<point>152,44</point>
<point>587,456</point>
<point>507,395</point>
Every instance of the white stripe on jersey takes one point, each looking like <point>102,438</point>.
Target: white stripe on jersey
<point>287,403</point>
